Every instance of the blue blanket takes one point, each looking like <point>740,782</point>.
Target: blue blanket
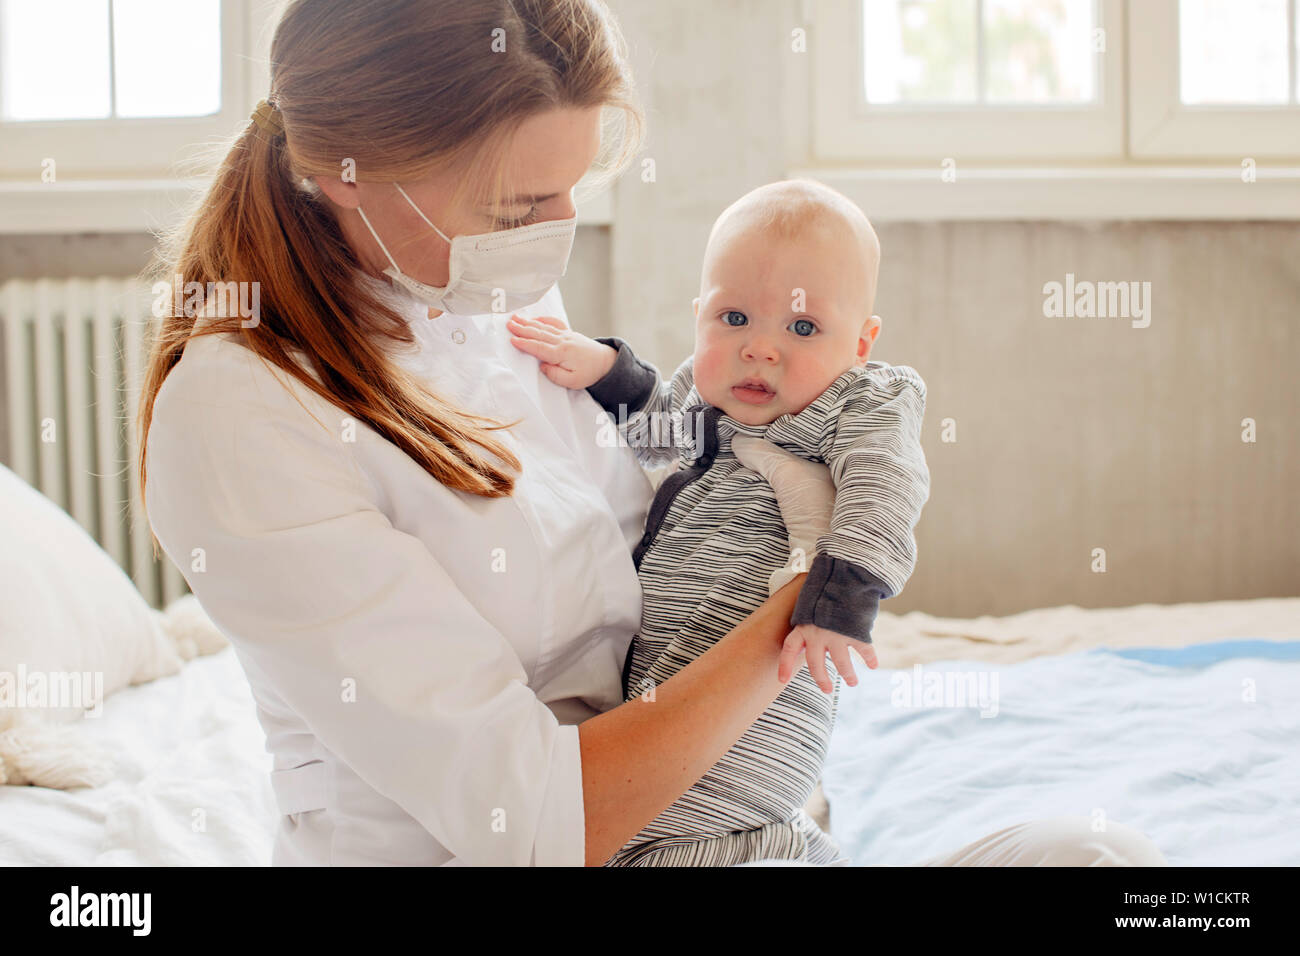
<point>1198,747</point>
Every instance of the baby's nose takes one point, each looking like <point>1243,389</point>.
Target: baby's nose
<point>759,348</point>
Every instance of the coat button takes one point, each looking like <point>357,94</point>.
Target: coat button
<point>458,336</point>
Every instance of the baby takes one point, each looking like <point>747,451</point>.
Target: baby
<point>784,331</point>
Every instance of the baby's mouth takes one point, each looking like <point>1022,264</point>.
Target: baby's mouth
<point>753,391</point>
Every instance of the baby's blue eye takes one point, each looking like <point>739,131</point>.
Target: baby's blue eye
<point>802,327</point>
<point>727,318</point>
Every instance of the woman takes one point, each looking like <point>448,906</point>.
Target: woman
<point>411,537</point>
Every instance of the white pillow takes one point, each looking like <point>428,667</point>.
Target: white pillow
<point>73,629</point>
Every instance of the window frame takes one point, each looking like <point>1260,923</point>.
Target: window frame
<point>1162,127</point>
<point>113,148</point>
<point>848,130</point>
<point>1144,118</point>
<point>131,196</point>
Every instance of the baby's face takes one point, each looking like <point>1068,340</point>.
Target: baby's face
<point>754,328</point>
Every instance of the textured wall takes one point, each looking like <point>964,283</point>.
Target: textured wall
<point>1082,433</point>
<point>59,256</point>
<point>1071,434</point>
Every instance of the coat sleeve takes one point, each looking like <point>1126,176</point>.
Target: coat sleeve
<point>646,409</point>
<point>881,484</point>
<point>355,624</point>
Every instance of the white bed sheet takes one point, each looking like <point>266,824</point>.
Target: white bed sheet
<point>191,785</point>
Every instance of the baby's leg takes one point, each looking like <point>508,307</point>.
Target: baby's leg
<point>800,841</point>
<point>749,805</point>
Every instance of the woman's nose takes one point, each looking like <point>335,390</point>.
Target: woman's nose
<point>567,210</point>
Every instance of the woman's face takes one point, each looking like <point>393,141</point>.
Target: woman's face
<point>547,157</point>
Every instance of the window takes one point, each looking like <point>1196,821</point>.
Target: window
<point>1238,53</point>
<point>1215,78</point>
<point>99,59</point>
<point>967,52</point>
<point>980,79</point>
<point>1017,82</point>
<point>99,89</point>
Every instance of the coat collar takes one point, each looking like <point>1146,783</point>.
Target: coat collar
<point>707,430</point>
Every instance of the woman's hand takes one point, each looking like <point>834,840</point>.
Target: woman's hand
<point>805,494</point>
<point>568,358</point>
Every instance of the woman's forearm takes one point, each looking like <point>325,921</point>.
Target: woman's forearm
<point>644,754</point>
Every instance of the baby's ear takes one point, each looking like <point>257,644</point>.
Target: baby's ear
<point>696,306</point>
<point>870,329</point>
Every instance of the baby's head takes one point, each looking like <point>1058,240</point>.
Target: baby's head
<point>785,302</point>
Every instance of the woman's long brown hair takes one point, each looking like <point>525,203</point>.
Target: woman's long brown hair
<point>404,88</point>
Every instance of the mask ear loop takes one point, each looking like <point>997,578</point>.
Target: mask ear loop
<point>361,212</point>
<point>420,213</point>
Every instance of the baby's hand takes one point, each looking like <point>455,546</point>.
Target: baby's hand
<point>568,358</point>
<point>818,642</point>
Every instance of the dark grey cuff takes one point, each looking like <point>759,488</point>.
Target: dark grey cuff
<point>629,382</point>
<point>840,596</point>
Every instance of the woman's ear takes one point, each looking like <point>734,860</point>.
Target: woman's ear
<point>870,329</point>
<point>339,191</point>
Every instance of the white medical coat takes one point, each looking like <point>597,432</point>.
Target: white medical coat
<point>419,656</point>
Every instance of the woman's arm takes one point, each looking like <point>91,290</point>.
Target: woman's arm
<point>644,754</point>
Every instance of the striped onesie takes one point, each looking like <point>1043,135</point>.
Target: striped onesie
<point>714,535</point>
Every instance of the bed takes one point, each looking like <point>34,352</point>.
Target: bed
<point>1138,712</point>
<point>191,784</point>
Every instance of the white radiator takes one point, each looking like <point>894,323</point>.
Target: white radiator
<point>74,360</point>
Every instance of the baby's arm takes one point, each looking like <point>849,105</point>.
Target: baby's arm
<point>881,484</point>
<point>878,481</point>
<point>568,358</point>
<point>628,388</point>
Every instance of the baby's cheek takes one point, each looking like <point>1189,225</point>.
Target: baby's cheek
<point>801,395</point>
<point>708,376</point>
<point>806,381</point>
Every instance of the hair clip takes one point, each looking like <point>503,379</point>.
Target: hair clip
<point>268,118</point>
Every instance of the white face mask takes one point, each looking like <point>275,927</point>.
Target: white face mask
<point>493,272</point>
